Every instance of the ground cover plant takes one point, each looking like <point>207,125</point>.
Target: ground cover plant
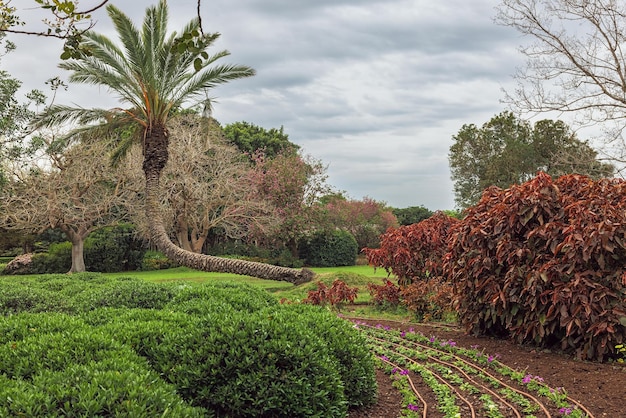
<point>124,347</point>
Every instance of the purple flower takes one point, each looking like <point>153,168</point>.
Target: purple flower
<point>412,330</point>
<point>474,347</point>
<point>379,326</point>
<point>529,377</point>
<point>404,372</point>
<point>386,328</point>
<point>412,407</point>
<point>394,370</point>
<point>384,358</point>
<point>451,343</point>
<point>432,339</point>
<point>565,411</point>
<point>492,358</point>
<point>403,334</point>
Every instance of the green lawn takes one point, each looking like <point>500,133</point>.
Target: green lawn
<point>357,276</point>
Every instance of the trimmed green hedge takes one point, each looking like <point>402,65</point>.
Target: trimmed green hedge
<point>329,249</point>
<point>130,348</point>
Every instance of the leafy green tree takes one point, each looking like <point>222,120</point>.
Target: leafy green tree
<point>154,74</point>
<point>250,138</point>
<point>412,214</point>
<point>15,115</point>
<point>507,150</point>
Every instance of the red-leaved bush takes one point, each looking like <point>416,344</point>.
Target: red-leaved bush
<point>414,252</point>
<point>428,300</point>
<point>543,262</point>
<point>384,294</point>
<point>336,295</point>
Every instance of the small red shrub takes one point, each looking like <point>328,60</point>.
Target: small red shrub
<point>384,294</point>
<point>414,252</point>
<point>336,295</point>
<point>428,300</point>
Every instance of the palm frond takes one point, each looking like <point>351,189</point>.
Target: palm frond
<point>210,78</point>
<point>124,144</point>
<point>57,115</point>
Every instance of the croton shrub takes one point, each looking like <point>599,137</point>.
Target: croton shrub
<point>414,252</point>
<point>544,262</point>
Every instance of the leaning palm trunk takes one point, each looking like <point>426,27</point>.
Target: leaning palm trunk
<point>154,162</point>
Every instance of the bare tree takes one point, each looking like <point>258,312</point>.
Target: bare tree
<point>576,63</point>
<point>74,190</point>
<point>205,185</point>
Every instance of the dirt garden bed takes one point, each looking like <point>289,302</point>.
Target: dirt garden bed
<point>600,388</point>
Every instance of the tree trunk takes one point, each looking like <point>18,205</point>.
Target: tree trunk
<point>78,259</point>
<point>155,158</point>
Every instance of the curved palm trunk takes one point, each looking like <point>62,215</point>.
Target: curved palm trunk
<point>155,158</point>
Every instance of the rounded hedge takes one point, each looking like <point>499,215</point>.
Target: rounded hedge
<point>132,348</point>
<point>329,249</point>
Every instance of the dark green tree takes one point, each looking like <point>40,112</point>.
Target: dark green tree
<point>412,214</point>
<point>507,150</point>
<point>250,138</point>
<point>154,74</point>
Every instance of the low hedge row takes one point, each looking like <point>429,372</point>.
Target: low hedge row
<point>128,348</point>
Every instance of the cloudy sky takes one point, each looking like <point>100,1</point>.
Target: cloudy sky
<point>375,89</point>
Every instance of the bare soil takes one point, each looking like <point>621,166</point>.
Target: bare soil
<point>600,387</point>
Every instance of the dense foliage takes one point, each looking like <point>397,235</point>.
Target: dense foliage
<point>250,138</point>
<point>329,249</point>
<point>414,252</point>
<point>507,150</point>
<point>412,214</point>
<point>365,219</point>
<point>107,250</point>
<point>100,346</point>
<point>543,262</point>
<point>335,295</point>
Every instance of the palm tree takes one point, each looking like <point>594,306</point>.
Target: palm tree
<point>154,74</point>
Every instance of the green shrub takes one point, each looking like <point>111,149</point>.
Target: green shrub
<point>155,260</point>
<point>124,293</point>
<point>113,249</point>
<point>58,259</point>
<point>348,346</point>
<point>261,364</point>
<point>241,297</point>
<point>329,249</point>
<point>227,348</point>
<point>56,365</point>
<point>16,298</point>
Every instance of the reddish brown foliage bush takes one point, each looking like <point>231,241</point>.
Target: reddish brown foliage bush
<point>414,252</point>
<point>428,300</point>
<point>337,294</point>
<point>543,262</point>
<point>384,294</point>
